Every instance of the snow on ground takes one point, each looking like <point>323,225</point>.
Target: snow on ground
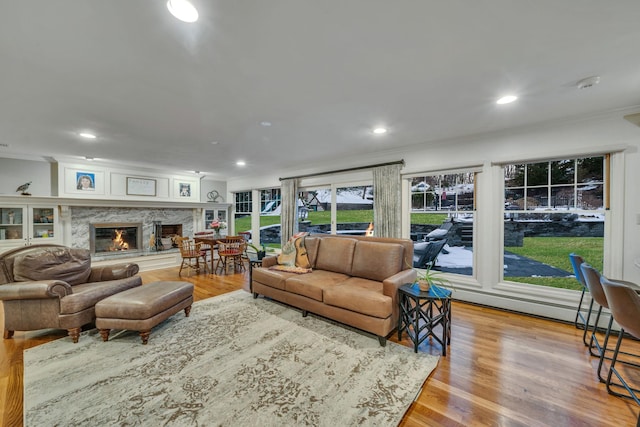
<point>347,196</point>
<point>458,257</point>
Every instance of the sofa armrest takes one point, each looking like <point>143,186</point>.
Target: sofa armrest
<point>391,284</point>
<point>35,290</point>
<point>390,287</point>
<point>269,261</point>
<point>113,272</point>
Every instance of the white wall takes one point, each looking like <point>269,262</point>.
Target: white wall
<point>15,172</point>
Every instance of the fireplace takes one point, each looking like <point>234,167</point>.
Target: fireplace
<point>115,237</point>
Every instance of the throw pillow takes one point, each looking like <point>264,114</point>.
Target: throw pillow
<point>288,255</point>
<point>302,260</point>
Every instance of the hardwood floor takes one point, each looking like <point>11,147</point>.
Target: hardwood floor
<point>502,369</point>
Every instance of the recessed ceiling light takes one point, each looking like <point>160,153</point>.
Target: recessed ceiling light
<point>214,143</point>
<point>87,135</point>
<point>506,99</point>
<point>183,10</point>
<point>265,124</point>
<point>380,131</point>
<point>240,163</point>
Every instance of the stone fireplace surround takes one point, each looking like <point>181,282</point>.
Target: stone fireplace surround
<point>82,217</point>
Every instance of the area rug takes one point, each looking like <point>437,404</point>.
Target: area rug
<point>236,361</point>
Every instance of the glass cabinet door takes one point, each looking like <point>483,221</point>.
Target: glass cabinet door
<point>44,223</point>
<point>12,225</point>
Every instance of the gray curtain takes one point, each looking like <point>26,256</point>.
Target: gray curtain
<point>387,192</point>
<point>288,213</point>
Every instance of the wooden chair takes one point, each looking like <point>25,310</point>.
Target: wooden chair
<point>191,253</point>
<point>230,252</point>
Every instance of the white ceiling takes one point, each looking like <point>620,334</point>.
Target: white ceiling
<point>158,91</point>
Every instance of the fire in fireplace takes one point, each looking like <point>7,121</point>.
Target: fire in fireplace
<point>115,237</point>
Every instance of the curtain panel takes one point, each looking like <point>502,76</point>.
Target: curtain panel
<point>387,194</point>
<point>288,213</point>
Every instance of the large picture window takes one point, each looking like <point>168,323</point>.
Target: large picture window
<point>442,221</point>
<point>551,209</point>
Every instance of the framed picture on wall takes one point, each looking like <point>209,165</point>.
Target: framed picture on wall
<point>141,186</point>
<point>185,189</point>
<point>85,181</point>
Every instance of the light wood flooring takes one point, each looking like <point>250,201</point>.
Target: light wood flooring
<point>502,369</point>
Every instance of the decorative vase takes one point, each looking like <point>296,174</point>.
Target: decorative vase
<point>216,234</point>
<point>424,285</point>
<point>261,254</point>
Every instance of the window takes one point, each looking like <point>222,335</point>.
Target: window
<point>442,207</point>
<point>243,211</point>
<point>551,209</point>
<point>354,209</point>
<point>270,217</point>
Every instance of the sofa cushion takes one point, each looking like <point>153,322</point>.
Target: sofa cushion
<point>311,285</point>
<point>376,261</point>
<point>335,254</point>
<point>360,295</point>
<point>70,265</point>
<point>312,243</point>
<point>275,279</point>
<point>87,295</point>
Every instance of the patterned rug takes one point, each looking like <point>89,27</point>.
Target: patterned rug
<point>236,361</point>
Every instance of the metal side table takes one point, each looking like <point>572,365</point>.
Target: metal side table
<point>422,311</point>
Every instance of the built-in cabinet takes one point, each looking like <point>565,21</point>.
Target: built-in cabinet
<point>22,225</point>
<point>219,212</point>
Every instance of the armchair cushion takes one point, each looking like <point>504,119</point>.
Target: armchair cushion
<point>88,295</point>
<point>70,265</point>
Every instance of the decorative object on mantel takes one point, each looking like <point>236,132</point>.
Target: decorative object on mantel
<point>213,196</point>
<point>23,189</point>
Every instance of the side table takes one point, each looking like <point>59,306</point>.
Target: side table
<point>253,262</point>
<point>422,311</point>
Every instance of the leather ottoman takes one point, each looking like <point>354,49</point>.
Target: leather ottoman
<point>142,308</point>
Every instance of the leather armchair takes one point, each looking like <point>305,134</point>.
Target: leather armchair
<point>53,286</point>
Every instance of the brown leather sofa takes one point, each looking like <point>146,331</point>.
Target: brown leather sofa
<point>354,281</point>
<point>53,286</point>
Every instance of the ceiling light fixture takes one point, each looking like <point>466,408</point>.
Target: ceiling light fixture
<point>240,163</point>
<point>380,131</point>
<point>183,10</point>
<point>265,124</point>
<point>588,82</point>
<point>506,99</point>
<point>87,135</point>
<point>89,158</point>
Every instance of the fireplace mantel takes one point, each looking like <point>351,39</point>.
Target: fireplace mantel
<point>67,201</point>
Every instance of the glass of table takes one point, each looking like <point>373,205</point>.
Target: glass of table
<point>422,311</point>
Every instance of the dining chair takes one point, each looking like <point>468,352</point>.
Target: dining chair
<point>191,253</point>
<point>230,251</point>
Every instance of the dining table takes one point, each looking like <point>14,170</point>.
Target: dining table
<point>212,241</point>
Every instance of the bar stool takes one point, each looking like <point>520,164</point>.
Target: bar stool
<point>581,322</point>
<point>592,278</point>
<point>624,304</point>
